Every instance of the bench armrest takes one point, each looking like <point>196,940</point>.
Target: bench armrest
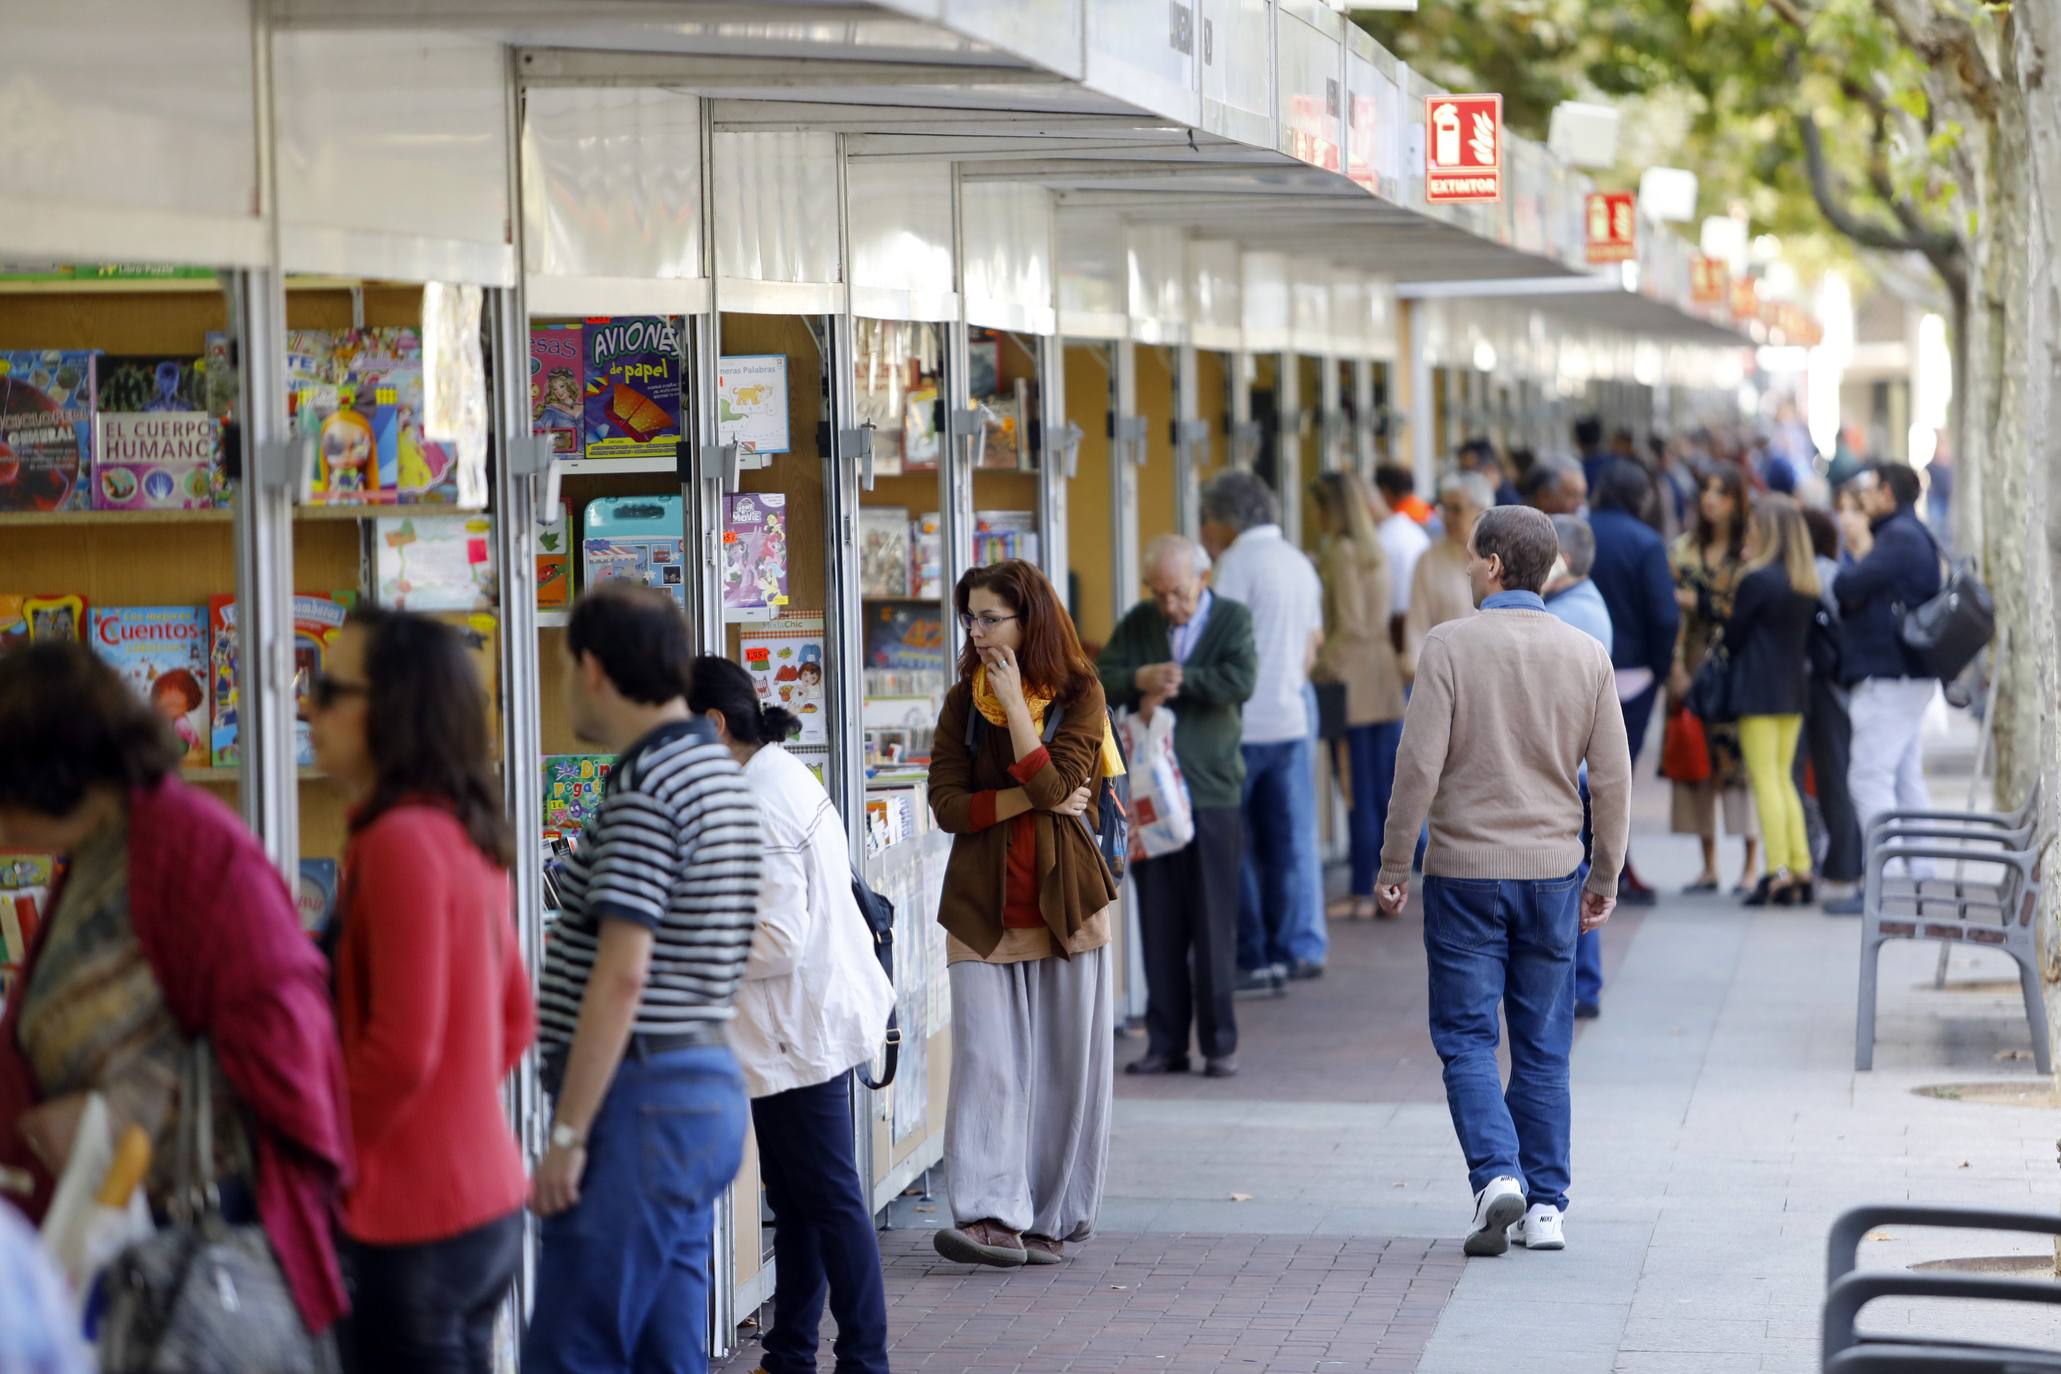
<point>1845,1298</point>
<point>1844,1239</point>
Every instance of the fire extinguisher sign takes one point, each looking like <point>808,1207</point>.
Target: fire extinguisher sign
<point>1463,148</point>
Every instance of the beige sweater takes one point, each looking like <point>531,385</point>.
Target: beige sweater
<point>1506,706</point>
<point>1439,592</point>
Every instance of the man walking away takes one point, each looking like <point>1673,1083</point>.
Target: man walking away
<point>1632,573</point>
<point>1555,486</point>
<point>661,900</point>
<point>1281,914</point>
<point>1508,705</point>
<point>1589,450</point>
<point>1187,650</point>
<point>1894,566</point>
<point>1574,600</point>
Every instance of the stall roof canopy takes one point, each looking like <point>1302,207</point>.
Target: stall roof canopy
<point>1103,101</point>
<point>1596,300</point>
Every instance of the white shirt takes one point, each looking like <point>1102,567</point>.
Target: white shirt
<point>1404,541</point>
<point>814,1000</point>
<point>1278,584</point>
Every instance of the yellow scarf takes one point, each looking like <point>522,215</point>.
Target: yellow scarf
<point>990,706</point>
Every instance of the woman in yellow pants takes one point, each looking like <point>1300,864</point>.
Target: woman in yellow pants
<point>1767,636</point>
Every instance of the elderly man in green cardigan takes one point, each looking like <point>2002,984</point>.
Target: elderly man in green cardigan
<point>1189,651</point>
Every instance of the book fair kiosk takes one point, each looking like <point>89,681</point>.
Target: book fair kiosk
<point>313,303</point>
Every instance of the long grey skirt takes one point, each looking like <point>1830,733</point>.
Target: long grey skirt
<point>1027,1128</point>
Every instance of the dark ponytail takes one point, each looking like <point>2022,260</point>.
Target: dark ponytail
<point>717,684</point>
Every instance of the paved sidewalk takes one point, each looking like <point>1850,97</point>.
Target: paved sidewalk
<point>1303,1217</point>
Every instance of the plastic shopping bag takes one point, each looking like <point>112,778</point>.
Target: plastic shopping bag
<point>98,1208</point>
<point>1162,815</point>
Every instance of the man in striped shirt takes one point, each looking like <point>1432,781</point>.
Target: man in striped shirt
<point>659,903</point>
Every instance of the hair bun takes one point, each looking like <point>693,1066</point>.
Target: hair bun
<point>777,723</point>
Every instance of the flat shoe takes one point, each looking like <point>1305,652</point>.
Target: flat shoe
<point>1041,1250</point>
<point>1158,1064</point>
<point>972,1245</point>
<point>1700,889</point>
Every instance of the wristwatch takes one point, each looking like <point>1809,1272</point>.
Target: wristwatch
<point>564,1137</point>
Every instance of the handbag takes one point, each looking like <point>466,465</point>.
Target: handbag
<point>1684,748</point>
<point>203,1296</point>
<point>1711,694</point>
<point>1331,708</point>
<point>1943,636</point>
<point>879,914</point>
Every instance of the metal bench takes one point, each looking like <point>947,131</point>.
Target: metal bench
<point>1996,910</point>
<point>1847,1290</point>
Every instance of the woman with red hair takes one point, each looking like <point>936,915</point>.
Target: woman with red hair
<point>1022,746</point>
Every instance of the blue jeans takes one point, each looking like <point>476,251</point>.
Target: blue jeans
<point>823,1232</point>
<point>1370,755</point>
<point>623,1276</point>
<point>1281,916</point>
<point>1492,941</point>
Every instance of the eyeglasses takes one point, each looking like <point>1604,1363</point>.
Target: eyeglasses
<point>985,622</point>
<point>325,692</point>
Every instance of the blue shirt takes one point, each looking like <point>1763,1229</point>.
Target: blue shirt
<point>1184,638</point>
<point>1582,606</point>
<point>1514,601</point>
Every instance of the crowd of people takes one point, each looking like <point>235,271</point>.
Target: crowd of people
<point>1483,672</point>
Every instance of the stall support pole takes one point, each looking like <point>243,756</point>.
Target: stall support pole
<point>1189,436</point>
<point>961,425</point>
<point>1420,406</point>
<point>1057,448</point>
<point>264,573</point>
<point>1363,418</point>
<point>1244,442</point>
<point>1127,449</point>
<point>1288,445</point>
<point>701,483</point>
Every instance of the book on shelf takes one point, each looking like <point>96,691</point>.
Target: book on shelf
<point>47,399</point>
<point>162,653</point>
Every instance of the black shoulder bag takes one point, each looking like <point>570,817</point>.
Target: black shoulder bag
<point>880,920</point>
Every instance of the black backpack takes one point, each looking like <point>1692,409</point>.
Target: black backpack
<point>880,920</point>
<point>1111,828</point>
<point>1943,636</point>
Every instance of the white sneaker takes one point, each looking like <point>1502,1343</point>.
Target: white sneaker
<point>1542,1228</point>
<point>1495,1208</point>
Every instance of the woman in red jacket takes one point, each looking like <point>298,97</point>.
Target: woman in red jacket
<point>171,925</point>
<point>433,997</point>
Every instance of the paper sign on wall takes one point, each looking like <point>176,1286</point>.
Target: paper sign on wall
<point>1463,148</point>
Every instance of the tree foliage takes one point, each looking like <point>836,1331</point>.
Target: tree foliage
<point>1738,91</point>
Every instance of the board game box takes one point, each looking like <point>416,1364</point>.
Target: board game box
<point>640,538</point>
<point>558,385</point>
<point>157,460</point>
<point>162,653</point>
<point>632,386</point>
<point>754,554</point>
<point>46,429</point>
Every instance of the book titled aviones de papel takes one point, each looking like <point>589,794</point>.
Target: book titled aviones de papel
<point>162,652</point>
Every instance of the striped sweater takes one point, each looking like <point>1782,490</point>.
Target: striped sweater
<point>673,847</point>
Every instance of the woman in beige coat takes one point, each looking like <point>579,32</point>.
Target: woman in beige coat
<point>1359,652</point>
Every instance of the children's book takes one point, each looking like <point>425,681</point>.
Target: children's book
<point>162,653</point>
<point>785,661</point>
<point>435,562</point>
<point>554,560</point>
<point>55,618</point>
<point>927,556</point>
<point>223,749</point>
<point>317,621</point>
<point>884,566</point>
<point>633,386</point>
<point>573,784</point>
<point>919,429</point>
<point>905,636</point>
<point>754,555</point>
<point>157,460</point>
<point>46,429</point>
<point>384,368</point>
<point>558,385</point>
<point>14,622</point>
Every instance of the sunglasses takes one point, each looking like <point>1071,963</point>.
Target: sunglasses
<point>326,691</point>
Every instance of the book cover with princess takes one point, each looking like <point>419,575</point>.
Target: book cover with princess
<point>558,385</point>
<point>358,394</point>
<point>162,652</point>
<point>632,386</point>
<point>47,399</point>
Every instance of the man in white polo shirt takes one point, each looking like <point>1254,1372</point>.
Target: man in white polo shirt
<point>1281,913</point>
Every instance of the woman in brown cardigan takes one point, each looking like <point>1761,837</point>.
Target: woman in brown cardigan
<point>1359,652</point>
<point>1025,907</point>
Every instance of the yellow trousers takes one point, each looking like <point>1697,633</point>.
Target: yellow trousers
<point>1769,745</point>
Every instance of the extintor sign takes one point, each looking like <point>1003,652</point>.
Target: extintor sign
<point>1463,148</point>
<point>1613,226</point>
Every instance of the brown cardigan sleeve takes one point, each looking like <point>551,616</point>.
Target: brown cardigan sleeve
<point>1075,754</point>
<point>951,766</point>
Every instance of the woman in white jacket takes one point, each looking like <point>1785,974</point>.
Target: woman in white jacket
<point>814,1005</point>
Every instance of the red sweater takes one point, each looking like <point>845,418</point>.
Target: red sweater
<point>225,944</point>
<point>434,1005</point>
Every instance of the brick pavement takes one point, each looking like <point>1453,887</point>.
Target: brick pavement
<point>1141,1304</point>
